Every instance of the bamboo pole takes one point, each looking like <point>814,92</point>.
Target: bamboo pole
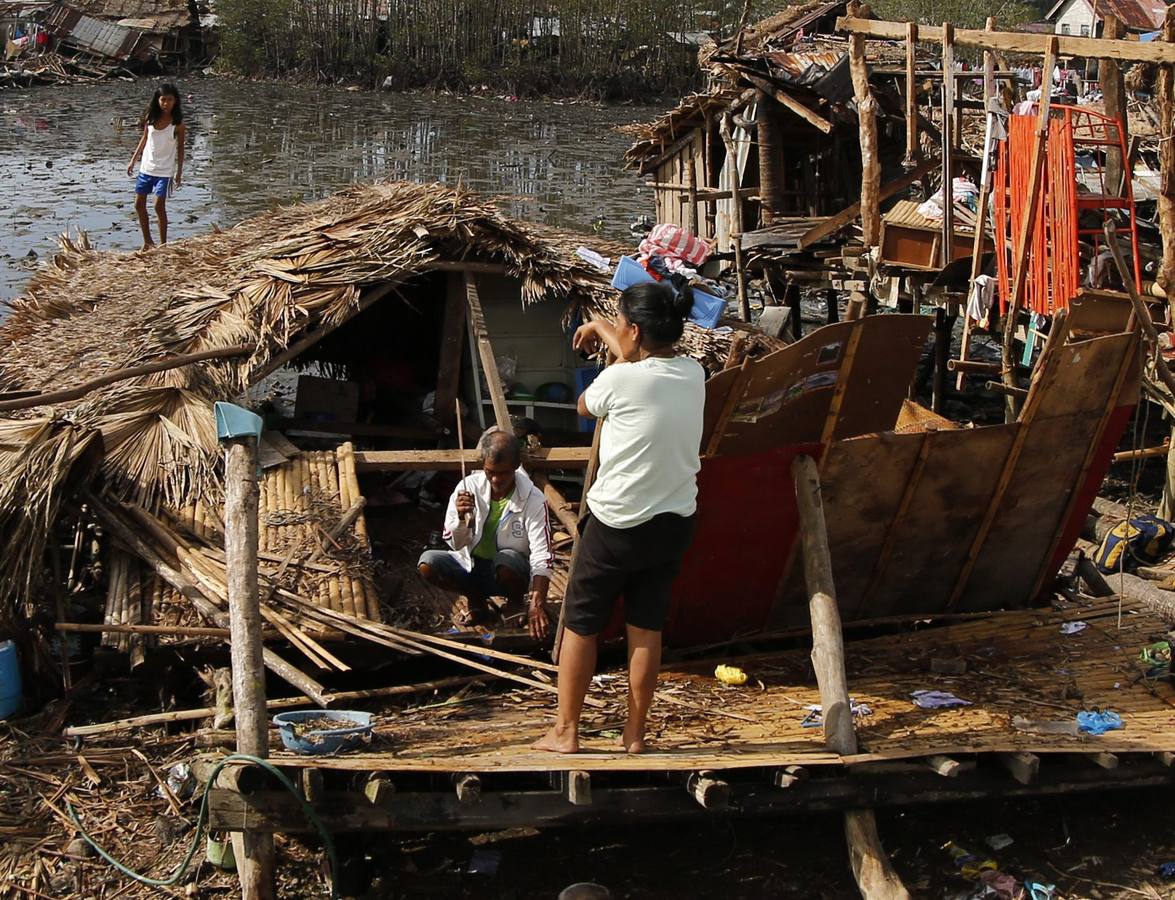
<point>736,208</point>
<point>985,177</point>
<point>162,365</point>
<point>346,499</point>
<point>204,712</point>
<point>947,244</point>
<point>254,851</point>
<point>1022,245</point>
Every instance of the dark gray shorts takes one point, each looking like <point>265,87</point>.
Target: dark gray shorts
<point>638,563</point>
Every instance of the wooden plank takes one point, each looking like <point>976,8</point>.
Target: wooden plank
<point>891,533</point>
<point>485,351</point>
<point>1015,41</point>
<point>789,392</point>
<point>430,811</point>
<point>1046,367</point>
<point>913,149</point>
<point>541,458</point>
<point>1109,406</point>
<point>790,103</point>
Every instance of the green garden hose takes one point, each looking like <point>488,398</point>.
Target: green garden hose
<point>202,820</point>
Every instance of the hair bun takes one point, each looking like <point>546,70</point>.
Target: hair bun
<point>683,300</point>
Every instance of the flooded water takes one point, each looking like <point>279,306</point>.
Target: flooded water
<point>63,158</point>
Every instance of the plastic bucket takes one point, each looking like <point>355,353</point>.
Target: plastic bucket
<point>10,689</point>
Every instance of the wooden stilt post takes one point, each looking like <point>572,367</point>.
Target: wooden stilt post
<point>867,126</point>
<point>1024,238</point>
<point>792,295</point>
<point>254,851</point>
<point>770,158</point>
<point>1165,89</point>
<point>691,180</point>
<point>947,244</point>
<point>942,355</point>
<point>1114,97</point>
<point>736,206</point>
<point>913,151</point>
<point>876,879</point>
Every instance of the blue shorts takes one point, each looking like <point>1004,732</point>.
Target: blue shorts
<point>483,580</point>
<point>152,184</point>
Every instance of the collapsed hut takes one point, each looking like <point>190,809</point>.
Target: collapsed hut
<point>359,319</point>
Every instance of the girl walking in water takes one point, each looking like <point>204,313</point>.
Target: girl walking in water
<point>162,150</point>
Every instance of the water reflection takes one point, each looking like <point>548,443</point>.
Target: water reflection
<point>251,147</point>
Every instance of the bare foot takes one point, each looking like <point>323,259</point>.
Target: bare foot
<point>635,744</point>
<point>147,245</point>
<point>558,740</point>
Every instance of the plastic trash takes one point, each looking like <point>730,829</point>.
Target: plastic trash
<point>1167,870</point>
<point>937,700</point>
<point>180,781</point>
<point>1098,721</point>
<point>592,258</point>
<point>11,691</point>
<point>998,842</point>
<point>731,675</point>
<point>1073,627</point>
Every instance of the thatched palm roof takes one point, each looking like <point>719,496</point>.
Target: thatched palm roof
<point>264,283</point>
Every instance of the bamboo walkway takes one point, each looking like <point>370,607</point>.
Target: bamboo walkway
<point>1024,678</point>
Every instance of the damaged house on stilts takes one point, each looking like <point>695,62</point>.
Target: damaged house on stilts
<point>826,494</point>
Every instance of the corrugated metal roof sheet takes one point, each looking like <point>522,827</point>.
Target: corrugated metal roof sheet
<point>1137,15</point>
<point>87,33</point>
<point>797,64</point>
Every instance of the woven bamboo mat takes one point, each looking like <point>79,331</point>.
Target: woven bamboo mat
<point>1023,675</point>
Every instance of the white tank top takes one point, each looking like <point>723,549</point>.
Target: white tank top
<point>159,154</point>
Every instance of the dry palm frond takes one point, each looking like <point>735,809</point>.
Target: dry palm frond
<point>160,444</point>
<point>34,479</point>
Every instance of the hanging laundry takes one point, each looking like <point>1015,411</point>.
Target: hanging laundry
<point>980,299</point>
<point>674,242</point>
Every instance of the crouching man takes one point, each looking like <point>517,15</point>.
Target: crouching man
<point>497,525</point>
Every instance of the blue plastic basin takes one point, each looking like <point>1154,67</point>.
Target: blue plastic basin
<point>11,693</point>
<point>354,728</point>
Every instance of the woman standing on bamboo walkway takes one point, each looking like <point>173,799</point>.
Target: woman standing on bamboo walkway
<point>641,505</point>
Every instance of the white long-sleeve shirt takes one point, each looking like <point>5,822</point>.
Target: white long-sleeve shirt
<point>524,526</point>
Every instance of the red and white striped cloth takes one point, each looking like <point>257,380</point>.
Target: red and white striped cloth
<point>675,242</point>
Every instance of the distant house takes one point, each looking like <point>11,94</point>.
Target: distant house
<point>1083,18</point>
